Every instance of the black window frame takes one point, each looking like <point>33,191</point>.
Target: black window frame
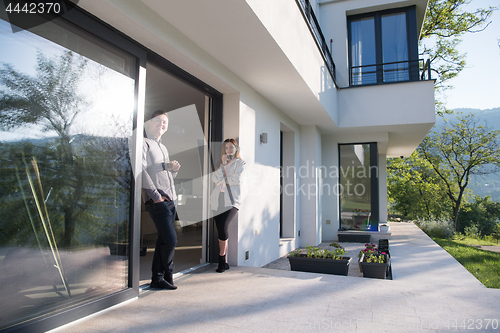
<point>411,37</point>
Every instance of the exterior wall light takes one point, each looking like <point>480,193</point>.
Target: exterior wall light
<point>263,138</point>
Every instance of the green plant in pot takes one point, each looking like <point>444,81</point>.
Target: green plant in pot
<point>370,248</point>
<point>375,265</point>
<point>317,260</point>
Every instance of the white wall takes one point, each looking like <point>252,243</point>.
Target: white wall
<point>309,185</point>
<point>382,187</point>
<point>389,104</point>
<point>258,224</point>
<point>330,159</point>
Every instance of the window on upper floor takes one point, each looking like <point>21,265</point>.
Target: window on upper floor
<point>383,47</point>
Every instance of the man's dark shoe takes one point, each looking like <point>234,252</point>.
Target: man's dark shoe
<point>161,284</point>
<point>169,278</point>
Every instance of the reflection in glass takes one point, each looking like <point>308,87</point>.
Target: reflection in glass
<point>363,51</point>
<point>66,115</point>
<point>355,199</point>
<point>395,47</point>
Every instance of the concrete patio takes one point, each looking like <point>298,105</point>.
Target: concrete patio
<point>430,292</point>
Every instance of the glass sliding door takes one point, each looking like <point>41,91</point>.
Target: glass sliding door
<point>66,110</point>
<point>358,186</point>
<point>186,140</point>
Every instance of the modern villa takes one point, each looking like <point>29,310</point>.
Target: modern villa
<point>317,93</point>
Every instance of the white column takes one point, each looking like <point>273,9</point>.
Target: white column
<point>309,184</point>
<point>382,187</point>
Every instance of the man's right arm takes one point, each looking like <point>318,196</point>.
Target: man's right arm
<point>147,182</point>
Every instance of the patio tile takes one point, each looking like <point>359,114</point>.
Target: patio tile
<point>429,290</point>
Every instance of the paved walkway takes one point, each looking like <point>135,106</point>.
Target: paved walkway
<point>431,292</point>
<point>492,248</point>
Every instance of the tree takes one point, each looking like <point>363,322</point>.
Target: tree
<point>81,174</point>
<point>458,151</point>
<point>482,213</point>
<point>415,190</point>
<point>50,99</point>
<point>445,23</point>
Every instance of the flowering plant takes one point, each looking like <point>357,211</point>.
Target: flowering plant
<point>358,210</point>
<point>370,248</point>
<point>376,258</point>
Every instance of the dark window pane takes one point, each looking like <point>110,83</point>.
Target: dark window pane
<point>355,186</point>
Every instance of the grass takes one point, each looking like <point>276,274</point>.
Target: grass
<point>467,240</point>
<point>484,265</point>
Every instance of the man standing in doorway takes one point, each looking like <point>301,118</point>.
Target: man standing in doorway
<point>160,198</point>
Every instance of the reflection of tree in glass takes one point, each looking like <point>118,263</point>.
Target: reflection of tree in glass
<point>82,175</point>
<point>49,99</point>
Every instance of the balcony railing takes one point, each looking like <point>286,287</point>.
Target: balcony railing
<point>399,71</point>
<point>313,24</point>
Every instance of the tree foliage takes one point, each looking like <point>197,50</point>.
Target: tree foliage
<point>50,99</point>
<point>458,151</point>
<point>415,190</point>
<point>445,24</point>
<point>482,213</point>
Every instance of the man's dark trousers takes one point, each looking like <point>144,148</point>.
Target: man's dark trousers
<point>163,215</point>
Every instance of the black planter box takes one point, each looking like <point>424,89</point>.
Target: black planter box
<point>354,238</point>
<point>324,266</point>
<point>375,270</point>
<point>118,249</point>
<point>383,245</point>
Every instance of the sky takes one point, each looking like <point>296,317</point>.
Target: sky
<point>478,85</point>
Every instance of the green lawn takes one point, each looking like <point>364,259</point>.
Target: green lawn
<point>484,265</point>
<point>465,240</point>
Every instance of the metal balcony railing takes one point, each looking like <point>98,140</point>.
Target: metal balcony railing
<point>399,71</point>
<point>313,24</point>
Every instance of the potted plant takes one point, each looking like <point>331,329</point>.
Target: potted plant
<point>375,265</point>
<point>384,227</point>
<point>361,218</point>
<point>369,249</point>
<point>318,260</point>
<point>117,239</point>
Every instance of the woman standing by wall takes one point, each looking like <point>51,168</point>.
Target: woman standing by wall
<point>226,196</point>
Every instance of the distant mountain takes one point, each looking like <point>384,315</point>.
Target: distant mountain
<point>480,185</point>
<point>490,116</point>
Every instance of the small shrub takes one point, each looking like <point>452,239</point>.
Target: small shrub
<point>437,228</point>
<point>316,252</point>
<point>472,231</point>
<point>496,232</point>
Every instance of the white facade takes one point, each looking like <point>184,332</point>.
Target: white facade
<point>262,57</point>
